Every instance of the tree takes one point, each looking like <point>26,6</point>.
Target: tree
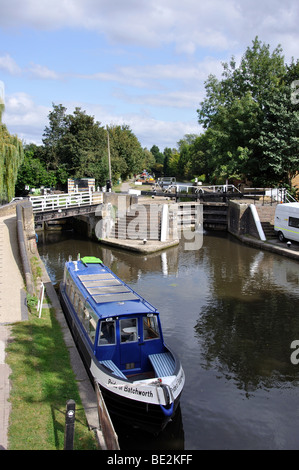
<point>159,157</point>
<point>234,112</point>
<point>127,155</point>
<point>83,147</point>
<point>148,160</point>
<point>167,155</point>
<point>33,171</point>
<point>278,140</point>
<point>11,157</point>
<point>58,127</point>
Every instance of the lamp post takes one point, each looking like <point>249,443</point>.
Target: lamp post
<point>109,159</point>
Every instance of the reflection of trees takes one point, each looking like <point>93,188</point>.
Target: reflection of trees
<point>249,341</point>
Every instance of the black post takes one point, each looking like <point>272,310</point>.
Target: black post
<point>69,425</point>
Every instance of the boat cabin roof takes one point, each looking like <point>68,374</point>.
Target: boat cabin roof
<point>108,295</point>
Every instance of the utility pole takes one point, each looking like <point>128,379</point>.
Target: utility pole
<point>109,160</point>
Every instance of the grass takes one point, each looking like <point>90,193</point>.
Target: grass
<point>42,382</point>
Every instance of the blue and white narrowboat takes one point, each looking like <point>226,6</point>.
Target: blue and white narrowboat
<point>119,336</point>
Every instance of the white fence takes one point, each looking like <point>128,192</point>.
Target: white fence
<point>52,202</point>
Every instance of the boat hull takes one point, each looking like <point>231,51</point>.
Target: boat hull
<point>138,412</point>
<point>142,415</point>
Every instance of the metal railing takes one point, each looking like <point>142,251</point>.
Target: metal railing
<point>269,195</point>
<point>184,188</point>
<point>52,202</point>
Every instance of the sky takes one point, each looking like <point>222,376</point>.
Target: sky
<point>142,63</point>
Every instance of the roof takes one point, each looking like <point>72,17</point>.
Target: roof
<point>108,295</point>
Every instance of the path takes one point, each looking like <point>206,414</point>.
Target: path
<point>12,309</point>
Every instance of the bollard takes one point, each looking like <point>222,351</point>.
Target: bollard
<point>69,425</point>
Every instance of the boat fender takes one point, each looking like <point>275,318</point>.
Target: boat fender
<point>166,411</point>
<point>166,392</point>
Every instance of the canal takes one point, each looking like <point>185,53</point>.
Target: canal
<point>231,313</point>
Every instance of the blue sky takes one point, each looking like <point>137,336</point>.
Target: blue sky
<point>137,62</point>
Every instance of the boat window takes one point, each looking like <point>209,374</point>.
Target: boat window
<point>107,333</point>
<point>85,319</point>
<point>80,308</point>
<point>68,285</point>
<point>150,328</point>
<point>72,293</point>
<point>92,329</point>
<point>89,322</point>
<point>128,330</point>
<point>76,300</point>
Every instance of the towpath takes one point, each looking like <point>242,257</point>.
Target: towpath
<point>12,309</point>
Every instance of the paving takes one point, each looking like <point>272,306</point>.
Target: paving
<point>12,309</point>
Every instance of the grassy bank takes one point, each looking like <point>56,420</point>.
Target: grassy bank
<point>42,382</point>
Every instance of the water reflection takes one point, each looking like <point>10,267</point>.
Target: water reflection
<point>250,342</point>
<point>246,329</point>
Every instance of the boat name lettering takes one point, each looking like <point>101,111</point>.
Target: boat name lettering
<point>136,391</point>
<point>178,381</point>
<point>110,381</point>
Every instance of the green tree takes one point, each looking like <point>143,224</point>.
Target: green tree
<point>83,148</point>
<point>233,112</point>
<point>148,160</point>
<point>159,157</point>
<point>33,171</point>
<point>11,157</point>
<point>58,127</point>
<point>174,163</point>
<point>127,155</point>
<point>278,140</point>
<point>167,156</point>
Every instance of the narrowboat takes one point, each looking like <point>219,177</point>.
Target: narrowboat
<point>119,336</point>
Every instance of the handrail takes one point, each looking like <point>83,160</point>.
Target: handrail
<point>65,200</point>
<point>276,195</point>
<point>215,188</point>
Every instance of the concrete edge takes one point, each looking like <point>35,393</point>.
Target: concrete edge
<point>149,247</point>
<point>267,246</point>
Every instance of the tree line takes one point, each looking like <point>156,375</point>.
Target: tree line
<point>76,146</point>
<point>250,133</point>
<point>11,158</point>
<point>250,121</point>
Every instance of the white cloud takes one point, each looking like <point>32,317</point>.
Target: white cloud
<point>24,117</point>
<point>7,64</point>
<point>153,76</point>
<point>187,25</point>
<point>10,66</point>
<point>176,99</point>
<point>183,41</point>
<point>28,120</point>
<point>43,72</point>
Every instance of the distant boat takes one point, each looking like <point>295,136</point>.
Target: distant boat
<point>120,339</point>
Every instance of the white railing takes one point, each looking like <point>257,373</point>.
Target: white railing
<point>279,195</point>
<point>52,202</point>
<point>221,188</point>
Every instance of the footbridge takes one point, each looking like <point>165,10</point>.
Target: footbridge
<point>60,206</point>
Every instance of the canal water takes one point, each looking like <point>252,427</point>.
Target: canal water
<point>231,313</point>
